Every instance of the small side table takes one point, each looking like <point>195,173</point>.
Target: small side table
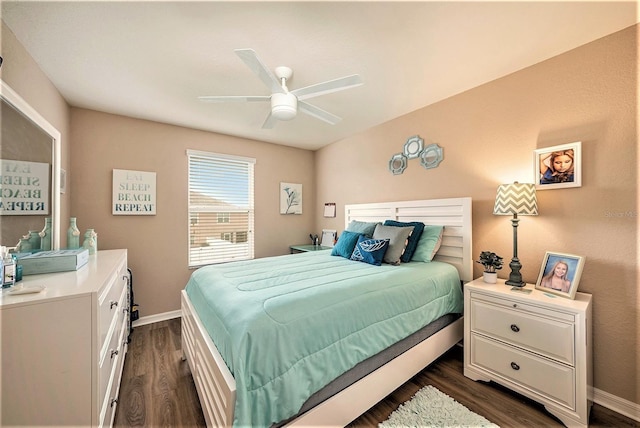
<point>537,344</point>
<point>295,249</point>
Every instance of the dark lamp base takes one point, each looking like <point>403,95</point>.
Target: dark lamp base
<point>515,283</point>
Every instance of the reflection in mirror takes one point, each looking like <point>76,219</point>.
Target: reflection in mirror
<point>28,138</point>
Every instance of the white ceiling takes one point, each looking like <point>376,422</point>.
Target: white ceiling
<point>151,59</point>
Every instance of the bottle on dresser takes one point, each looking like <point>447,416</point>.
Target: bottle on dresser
<point>9,264</point>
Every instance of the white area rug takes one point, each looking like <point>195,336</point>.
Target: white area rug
<point>432,408</point>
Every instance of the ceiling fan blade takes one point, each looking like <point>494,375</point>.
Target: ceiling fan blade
<point>270,122</point>
<point>250,58</point>
<point>222,99</point>
<point>328,87</point>
<point>318,113</point>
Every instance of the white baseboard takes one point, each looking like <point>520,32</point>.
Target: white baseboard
<point>156,318</point>
<point>610,401</point>
<point>617,404</point>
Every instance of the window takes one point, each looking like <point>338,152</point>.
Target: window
<point>220,208</point>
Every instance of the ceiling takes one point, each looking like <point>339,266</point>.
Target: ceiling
<point>151,60</point>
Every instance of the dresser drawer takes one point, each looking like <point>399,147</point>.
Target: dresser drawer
<point>539,375</point>
<point>109,400</point>
<point>109,304</point>
<point>112,350</point>
<point>551,337</point>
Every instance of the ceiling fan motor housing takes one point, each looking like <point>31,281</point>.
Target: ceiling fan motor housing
<point>284,106</point>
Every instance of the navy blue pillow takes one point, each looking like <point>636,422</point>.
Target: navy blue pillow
<point>370,250</point>
<point>414,238</point>
<point>345,245</point>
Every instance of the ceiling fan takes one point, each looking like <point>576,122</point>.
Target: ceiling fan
<point>285,103</point>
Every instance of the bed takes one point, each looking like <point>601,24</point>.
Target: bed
<point>288,368</point>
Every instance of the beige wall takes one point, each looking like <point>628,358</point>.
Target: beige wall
<point>158,244</point>
<point>488,135</point>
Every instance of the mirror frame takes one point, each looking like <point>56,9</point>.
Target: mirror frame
<point>10,96</point>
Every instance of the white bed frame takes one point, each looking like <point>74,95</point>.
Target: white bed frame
<point>216,386</point>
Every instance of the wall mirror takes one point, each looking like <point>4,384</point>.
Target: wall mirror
<point>29,139</point>
<point>431,156</point>
<point>397,164</point>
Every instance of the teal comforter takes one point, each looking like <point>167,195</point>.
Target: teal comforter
<point>288,325</point>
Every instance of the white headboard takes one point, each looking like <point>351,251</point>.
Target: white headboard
<point>454,214</point>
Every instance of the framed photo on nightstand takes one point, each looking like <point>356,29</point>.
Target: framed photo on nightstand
<point>328,238</point>
<point>560,274</point>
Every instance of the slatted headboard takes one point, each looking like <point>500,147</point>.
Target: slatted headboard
<point>454,214</point>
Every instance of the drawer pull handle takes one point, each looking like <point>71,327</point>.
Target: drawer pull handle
<point>114,401</point>
<point>112,304</point>
<point>515,366</point>
<point>114,352</point>
<point>515,328</point>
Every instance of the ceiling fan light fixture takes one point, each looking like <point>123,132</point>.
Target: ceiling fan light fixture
<point>284,106</point>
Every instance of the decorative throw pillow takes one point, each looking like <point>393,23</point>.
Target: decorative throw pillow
<point>366,228</point>
<point>412,244</point>
<point>345,245</point>
<point>397,237</point>
<point>429,244</point>
<point>370,250</point>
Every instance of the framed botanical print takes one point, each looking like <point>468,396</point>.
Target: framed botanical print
<point>290,198</point>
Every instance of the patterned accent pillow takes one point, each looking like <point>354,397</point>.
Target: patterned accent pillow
<point>370,250</point>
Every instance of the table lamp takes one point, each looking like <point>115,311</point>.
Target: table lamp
<point>516,198</point>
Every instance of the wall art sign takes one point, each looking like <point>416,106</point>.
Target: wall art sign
<point>24,187</point>
<point>290,198</point>
<point>558,167</point>
<point>134,192</point>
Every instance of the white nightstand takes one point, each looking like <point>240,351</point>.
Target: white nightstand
<point>536,344</point>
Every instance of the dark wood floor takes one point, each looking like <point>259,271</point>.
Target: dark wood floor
<point>157,390</point>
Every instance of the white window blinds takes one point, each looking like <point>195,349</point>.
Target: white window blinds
<point>220,208</point>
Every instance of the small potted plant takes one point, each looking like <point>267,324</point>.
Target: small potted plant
<point>491,262</point>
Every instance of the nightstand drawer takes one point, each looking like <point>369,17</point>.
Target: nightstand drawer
<point>537,374</point>
<point>543,335</point>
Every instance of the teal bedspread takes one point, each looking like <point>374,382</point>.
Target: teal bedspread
<point>288,325</point>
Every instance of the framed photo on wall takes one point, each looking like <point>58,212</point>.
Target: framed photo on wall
<point>560,274</point>
<point>558,167</point>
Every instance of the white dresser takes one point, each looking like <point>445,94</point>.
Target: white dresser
<point>63,349</point>
<point>536,344</point>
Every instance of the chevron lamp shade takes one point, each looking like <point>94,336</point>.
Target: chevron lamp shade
<point>516,198</point>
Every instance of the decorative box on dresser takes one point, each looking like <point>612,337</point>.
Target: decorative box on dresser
<point>537,344</point>
<point>63,349</point>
